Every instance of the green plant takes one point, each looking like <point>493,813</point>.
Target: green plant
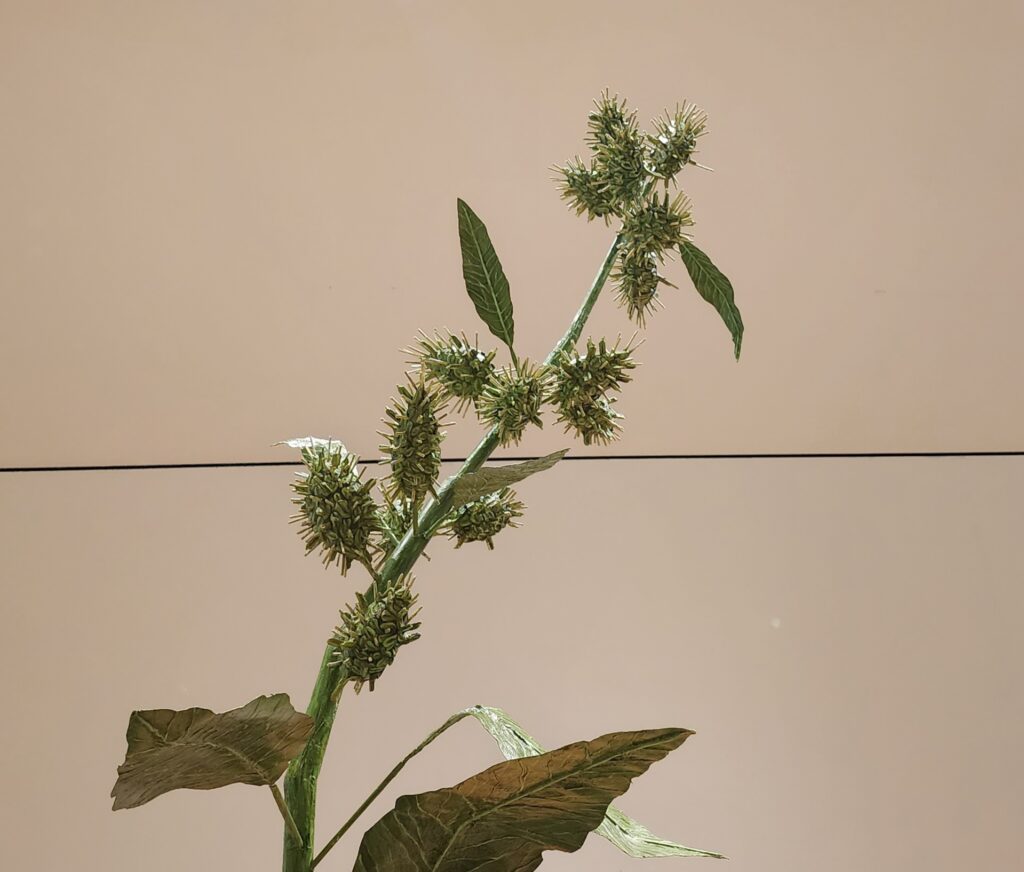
<point>505,817</point>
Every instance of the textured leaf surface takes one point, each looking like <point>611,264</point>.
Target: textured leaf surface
<point>626,834</point>
<point>714,287</point>
<point>504,818</point>
<point>485,279</point>
<point>200,749</point>
<point>489,479</point>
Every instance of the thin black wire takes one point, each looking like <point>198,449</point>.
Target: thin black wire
<point>823,455</point>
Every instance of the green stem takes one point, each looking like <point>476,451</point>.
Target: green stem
<point>301,779</point>
<point>289,821</point>
<point>451,722</point>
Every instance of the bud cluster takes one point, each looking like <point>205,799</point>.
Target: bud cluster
<point>459,367</point>
<point>674,140</point>
<point>512,400</point>
<point>367,640</point>
<point>337,512</point>
<point>396,517</point>
<point>414,441</point>
<point>581,384</point>
<point>484,518</point>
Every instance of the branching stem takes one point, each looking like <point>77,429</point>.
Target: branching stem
<point>301,780</point>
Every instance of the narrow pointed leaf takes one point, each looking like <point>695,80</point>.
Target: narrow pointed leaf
<point>714,287</point>
<point>489,479</point>
<point>485,279</point>
<point>626,834</point>
<point>504,818</point>
<point>199,749</point>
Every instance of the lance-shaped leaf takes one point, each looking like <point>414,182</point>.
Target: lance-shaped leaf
<point>714,287</point>
<point>626,834</point>
<point>490,479</point>
<point>503,819</point>
<point>200,749</point>
<point>485,279</point>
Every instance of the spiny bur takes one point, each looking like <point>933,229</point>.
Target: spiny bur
<point>337,512</point>
<point>460,369</point>
<point>413,446</point>
<point>512,400</point>
<point>371,633</point>
<point>485,518</point>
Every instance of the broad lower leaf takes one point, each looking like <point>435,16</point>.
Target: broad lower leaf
<point>714,287</point>
<point>504,818</point>
<point>485,279</point>
<point>622,831</point>
<point>490,479</point>
<point>199,749</point>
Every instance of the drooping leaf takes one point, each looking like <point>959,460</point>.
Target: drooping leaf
<point>200,749</point>
<point>490,479</point>
<point>485,279</point>
<point>626,834</point>
<point>714,287</point>
<point>504,818</point>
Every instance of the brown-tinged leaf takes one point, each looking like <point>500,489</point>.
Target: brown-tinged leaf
<point>200,749</point>
<point>504,818</point>
<point>629,836</point>
<point>490,479</point>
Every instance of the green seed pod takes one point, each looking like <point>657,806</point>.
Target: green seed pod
<point>672,145</point>
<point>579,378</point>
<point>655,224</point>
<point>585,190</point>
<point>594,420</point>
<point>414,441</point>
<point>512,400</point>
<point>459,368</point>
<point>336,510</point>
<point>367,640</point>
<point>637,280</point>
<point>485,518</point>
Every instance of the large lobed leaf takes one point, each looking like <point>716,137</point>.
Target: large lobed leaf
<point>504,818</point>
<point>628,835</point>
<point>200,749</point>
<point>485,279</point>
<point>490,479</point>
<point>714,287</point>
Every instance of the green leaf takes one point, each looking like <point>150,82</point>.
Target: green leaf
<point>714,287</point>
<point>490,479</point>
<point>504,818</point>
<point>622,831</point>
<point>485,279</point>
<point>199,749</point>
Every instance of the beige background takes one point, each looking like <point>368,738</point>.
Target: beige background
<point>220,221</point>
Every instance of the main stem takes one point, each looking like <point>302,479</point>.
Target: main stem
<point>301,779</point>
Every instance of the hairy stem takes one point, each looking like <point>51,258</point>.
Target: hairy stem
<point>301,779</point>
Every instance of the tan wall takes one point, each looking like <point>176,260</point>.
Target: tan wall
<point>220,221</point>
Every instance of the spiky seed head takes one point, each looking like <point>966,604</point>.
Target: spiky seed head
<point>413,444</point>
<point>656,223</point>
<point>609,117</point>
<point>674,141</point>
<point>370,634</point>
<point>337,512</point>
<point>512,400</point>
<point>395,518</point>
<point>621,167</point>
<point>484,518</point>
<point>584,188</point>
<point>599,369</point>
<point>593,419</point>
<point>458,367</point>
<point>637,281</point>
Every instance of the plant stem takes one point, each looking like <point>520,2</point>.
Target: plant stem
<point>301,779</point>
<point>452,721</point>
<point>289,821</point>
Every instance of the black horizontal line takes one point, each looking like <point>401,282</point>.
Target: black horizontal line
<point>822,455</point>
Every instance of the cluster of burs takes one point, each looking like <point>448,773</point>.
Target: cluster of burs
<point>337,511</point>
